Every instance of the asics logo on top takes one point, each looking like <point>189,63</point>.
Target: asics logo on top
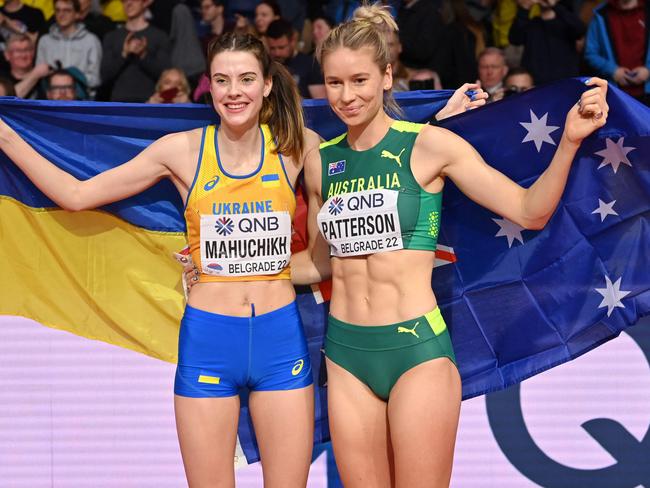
<point>212,183</point>
<point>387,154</point>
<point>297,367</point>
<point>406,330</point>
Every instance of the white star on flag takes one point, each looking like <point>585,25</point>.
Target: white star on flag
<point>510,230</point>
<point>615,154</point>
<point>612,295</point>
<point>605,209</point>
<point>538,131</point>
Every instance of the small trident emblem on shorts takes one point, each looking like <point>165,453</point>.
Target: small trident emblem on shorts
<point>401,329</point>
<point>387,154</point>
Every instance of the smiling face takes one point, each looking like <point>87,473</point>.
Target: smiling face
<point>355,84</point>
<point>20,54</point>
<point>238,88</point>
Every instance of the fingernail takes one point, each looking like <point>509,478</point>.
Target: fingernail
<point>587,81</point>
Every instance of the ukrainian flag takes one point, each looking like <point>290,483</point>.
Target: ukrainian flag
<point>105,274</point>
<point>271,180</point>
<point>108,274</point>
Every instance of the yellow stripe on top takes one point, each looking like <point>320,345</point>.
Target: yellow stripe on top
<point>92,274</point>
<point>217,194</point>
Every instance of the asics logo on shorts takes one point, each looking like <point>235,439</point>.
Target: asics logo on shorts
<point>406,330</point>
<point>387,154</point>
<point>297,367</point>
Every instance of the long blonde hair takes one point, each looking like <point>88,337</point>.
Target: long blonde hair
<point>282,109</point>
<point>369,27</point>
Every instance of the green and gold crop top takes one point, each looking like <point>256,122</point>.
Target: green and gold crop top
<point>372,201</point>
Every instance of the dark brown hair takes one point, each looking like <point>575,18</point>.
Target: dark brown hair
<point>282,109</point>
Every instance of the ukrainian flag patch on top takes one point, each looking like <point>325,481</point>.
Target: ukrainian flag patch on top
<point>271,180</point>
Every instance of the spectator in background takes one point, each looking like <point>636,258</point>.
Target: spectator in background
<point>19,53</point>
<point>281,40</point>
<point>420,32</point>
<point>172,87</point>
<point>492,69</point>
<point>321,26</point>
<point>266,12</point>
<point>97,23</point>
<point>175,19</point>
<point>424,79</point>
<point>70,44</point>
<point>617,45</point>
<point>295,11</point>
<point>463,41</point>
<point>518,80</point>
<point>549,39</point>
<point>25,19</point>
<point>61,86</point>
<point>400,73</point>
<point>6,87</point>
<point>134,56</point>
<point>212,16</point>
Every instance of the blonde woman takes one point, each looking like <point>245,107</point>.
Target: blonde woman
<point>374,196</point>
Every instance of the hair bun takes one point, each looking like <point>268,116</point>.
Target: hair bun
<point>376,14</point>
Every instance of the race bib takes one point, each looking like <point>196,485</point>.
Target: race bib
<point>363,222</point>
<point>245,244</point>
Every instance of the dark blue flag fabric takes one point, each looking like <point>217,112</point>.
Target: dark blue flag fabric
<point>517,302</point>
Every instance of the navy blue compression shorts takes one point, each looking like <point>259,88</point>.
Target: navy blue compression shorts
<point>219,354</point>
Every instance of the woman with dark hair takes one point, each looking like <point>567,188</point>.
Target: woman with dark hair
<point>241,327</point>
<point>266,12</point>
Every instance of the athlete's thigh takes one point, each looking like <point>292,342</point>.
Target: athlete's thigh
<point>423,411</point>
<point>359,430</point>
<point>284,427</point>
<point>207,433</point>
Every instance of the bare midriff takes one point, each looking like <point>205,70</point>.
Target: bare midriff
<point>236,298</point>
<point>383,288</point>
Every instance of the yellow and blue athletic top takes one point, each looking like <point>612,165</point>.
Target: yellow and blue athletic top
<point>239,226</point>
<point>373,203</point>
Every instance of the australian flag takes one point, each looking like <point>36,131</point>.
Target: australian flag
<point>518,302</point>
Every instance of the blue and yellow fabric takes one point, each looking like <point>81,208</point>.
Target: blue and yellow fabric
<point>515,303</point>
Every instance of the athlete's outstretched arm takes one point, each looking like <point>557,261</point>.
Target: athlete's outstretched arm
<point>313,264</point>
<point>120,182</point>
<point>529,207</point>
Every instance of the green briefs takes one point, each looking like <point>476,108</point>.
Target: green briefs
<point>379,355</point>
